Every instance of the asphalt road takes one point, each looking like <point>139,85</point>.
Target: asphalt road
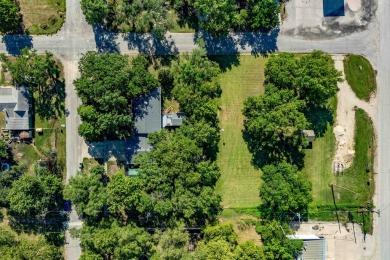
<point>383,180</point>
<point>77,37</point>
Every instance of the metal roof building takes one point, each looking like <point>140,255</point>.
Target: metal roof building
<point>313,247</point>
<point>16,103</point>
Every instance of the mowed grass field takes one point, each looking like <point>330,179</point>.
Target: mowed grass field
<point>360,76</point>
<point>240,181</point>
<point>358,179</point>
<point>42,16</point>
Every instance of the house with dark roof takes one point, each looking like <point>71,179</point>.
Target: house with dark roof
<point>16,104</point>
<point>147,120</point>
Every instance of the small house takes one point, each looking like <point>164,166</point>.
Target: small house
<point>172,120</point>
<point>16,104</point>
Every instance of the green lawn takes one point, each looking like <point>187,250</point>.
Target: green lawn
<point>358,179</point>
<point>53,136</point>
<point>360,76</point>
<point>239,183</point>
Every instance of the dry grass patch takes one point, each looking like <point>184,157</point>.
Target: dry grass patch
<point>42,16</point>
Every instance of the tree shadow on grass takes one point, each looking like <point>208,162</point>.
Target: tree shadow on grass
<point>148,44</point>
<point>273,155</point>
<point>15,43</point>
<point>51,226</point>
<point>320,119</point>
<point>51,104</point>
<point>105,40</point>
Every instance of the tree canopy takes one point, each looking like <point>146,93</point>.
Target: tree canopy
<point>107,87</point>
<point>115,242</point>
<point>177,183</point>
<point>139,16</point>
<point>42,75</point>
<point>216,16</point>
<point>312,77</point>
<point>13,247</point>
<point>87,192</point>
<point>284,192</point>
<point>9,16</point>
<point>32,195</point>
<point>273,126</point>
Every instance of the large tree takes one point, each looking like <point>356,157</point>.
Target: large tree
<point>87,192</point>
<point>276,245</point>
<point>263,14</point>
<point>31,195</point>
<point>140,16</point>
<point>9,16</point>
<point>273,126</point>
<point>177,184</point>
<point>13,247</point>
<point>312,77</point>
<point>107,87</point>
<point>284,192</point>
<point>115,242</point>
<point>195,84</point>
<point>172,244</point>
<point>42,75</point>
<point>216,16</point>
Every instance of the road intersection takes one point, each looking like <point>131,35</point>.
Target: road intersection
<point>77,37</point>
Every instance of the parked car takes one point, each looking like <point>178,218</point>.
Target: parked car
<point>67,205</point>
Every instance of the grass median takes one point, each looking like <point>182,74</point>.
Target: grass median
<point>360,76</point>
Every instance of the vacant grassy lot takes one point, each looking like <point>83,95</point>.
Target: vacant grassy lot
<point>53,136</point>
<point>42,16</point>
<point>354,188</point>
<point>360,76</point>
<point>240,181</point>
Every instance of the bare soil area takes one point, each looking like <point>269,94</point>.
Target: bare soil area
<point>345,121</point>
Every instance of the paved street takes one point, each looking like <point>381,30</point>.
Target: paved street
<point>77,37</point>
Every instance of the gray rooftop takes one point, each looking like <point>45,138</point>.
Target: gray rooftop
<point>314,249</point>
<point>137,145</point>
<point>15,102</point>
<point>172,120</point>
<point>147,113</point>
<point>310,134</point>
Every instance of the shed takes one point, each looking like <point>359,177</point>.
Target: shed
<point>310,135</point>
<point>172,120</point>
<point>313,247</point>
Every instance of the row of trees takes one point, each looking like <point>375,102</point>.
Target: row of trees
<point>295,88</point>
<point>107,87</point>
<point>216,16</point>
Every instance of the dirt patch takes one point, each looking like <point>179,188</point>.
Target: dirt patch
<point>244,229</point>
<point>345,121</point>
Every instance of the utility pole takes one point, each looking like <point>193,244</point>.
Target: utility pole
<point>334,202</point>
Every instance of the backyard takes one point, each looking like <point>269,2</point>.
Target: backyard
<point>240,181</point>
<point>42,16</point>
